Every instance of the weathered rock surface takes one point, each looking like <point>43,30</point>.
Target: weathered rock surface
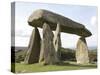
<point>40,16</point>
<point>82,51</point>
<point>57,41</point>
<point>41,58</point>
<point>33,51</point>
<point>48,54</point>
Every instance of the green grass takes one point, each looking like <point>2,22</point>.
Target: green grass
<point>26,68</point>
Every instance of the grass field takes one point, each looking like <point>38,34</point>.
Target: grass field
<point>26,68</point>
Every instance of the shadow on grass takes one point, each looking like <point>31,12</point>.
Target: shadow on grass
<point>78,65</point>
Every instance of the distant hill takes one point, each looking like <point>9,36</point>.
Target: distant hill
<point>93,48</point>
<point>19,48</point>
<point>90,48</point>
<point>25,48</point>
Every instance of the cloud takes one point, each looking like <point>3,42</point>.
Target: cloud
<point>23,33</point>
<point>93,20</point>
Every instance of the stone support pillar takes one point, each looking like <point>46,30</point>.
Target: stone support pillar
<point>48,53</point>
<point>57,41</point>
<point>82,51</point>
<point>33,52</point>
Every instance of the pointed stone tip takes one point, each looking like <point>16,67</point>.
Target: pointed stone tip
<point>36,29</point>
<point>45,25</point>
<point>58,27</point>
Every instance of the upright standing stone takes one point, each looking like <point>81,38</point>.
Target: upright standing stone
<point>82,51</point>
<point>32,55</point>
<point>48,53</point>
<point>57,41</point>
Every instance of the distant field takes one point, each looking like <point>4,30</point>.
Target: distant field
<point>23,68</point>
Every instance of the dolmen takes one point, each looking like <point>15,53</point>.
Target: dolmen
<point>47,49</point>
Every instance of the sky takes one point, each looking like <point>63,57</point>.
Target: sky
<point>86,15</point>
